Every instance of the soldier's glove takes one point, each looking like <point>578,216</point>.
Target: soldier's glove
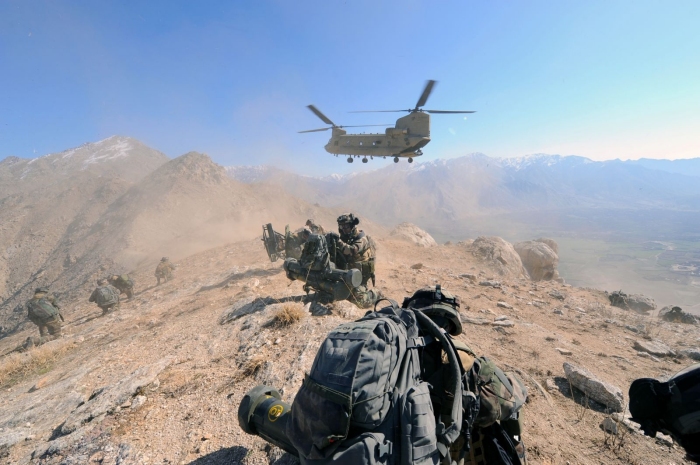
<point>347,250</point>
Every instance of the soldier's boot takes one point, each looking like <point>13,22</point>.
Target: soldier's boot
<point>129,294</point>
<point>28,344</point>
<point>364,298</point>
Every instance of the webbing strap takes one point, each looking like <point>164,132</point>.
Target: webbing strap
<point>416,342</point>
<point>504,379</point>
<point>327,393</point>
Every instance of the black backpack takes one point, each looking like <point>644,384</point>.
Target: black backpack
<point>364,403</point>
<point>672,407</point>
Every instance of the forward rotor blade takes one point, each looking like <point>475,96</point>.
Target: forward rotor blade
<point>323,117</point>
<point>314,130</point>
<point>448,111</point>
<point>426,93</point>
<point>379,111</point>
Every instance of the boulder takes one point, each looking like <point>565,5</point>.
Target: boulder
<point>677,315</point>
<point>600,391</point>
<point>550,242</point>
<point>692,354</point>
<point>636,302</point>
<point>499,255</point>
<point>654,348</point>
<point>539,260</point>
<point>412,233</point>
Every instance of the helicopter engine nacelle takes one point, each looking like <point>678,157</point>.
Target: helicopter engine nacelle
<point>396,131</point>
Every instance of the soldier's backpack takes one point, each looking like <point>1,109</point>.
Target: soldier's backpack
<point>106,295</point>
<point>41,311</point>
<point>363,403</point>
<point>672,407</point>
<point>314,255</point>
<point>126,280</point>
<point>497,427</point>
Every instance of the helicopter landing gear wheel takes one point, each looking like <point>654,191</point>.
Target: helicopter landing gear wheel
<point>410,160</point>
<point>396,159</point>
<point>350,160</point>
<point>364,160</point>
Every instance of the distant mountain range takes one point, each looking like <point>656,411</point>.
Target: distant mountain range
<point>448,194</point>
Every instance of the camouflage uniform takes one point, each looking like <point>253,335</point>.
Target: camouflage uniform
<point>96,294</point>
<point>49,322</point>
<point>315,228</point>
<point>124,283</point>
<point>164,270</point>
<point>358,250</point>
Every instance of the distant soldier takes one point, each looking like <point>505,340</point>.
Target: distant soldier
<point>124,283</point>
<point>315,228</point>
<point>164,270</point>
<point>105,296</point>
<point>44,312</point>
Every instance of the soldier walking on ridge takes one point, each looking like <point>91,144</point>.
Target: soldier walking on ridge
<point>43,311</point>
<point>105,296</point>
<point>124,283</point>
<point>164,270</point>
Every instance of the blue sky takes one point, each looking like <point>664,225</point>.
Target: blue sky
<point>601,79</point>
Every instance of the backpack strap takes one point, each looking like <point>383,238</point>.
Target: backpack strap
<point>446,435</point>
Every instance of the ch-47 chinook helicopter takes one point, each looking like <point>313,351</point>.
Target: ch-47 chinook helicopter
<point>405,140</point>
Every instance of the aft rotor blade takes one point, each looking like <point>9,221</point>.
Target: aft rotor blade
<point>323,117</point>
<point>365,125</point>
<point>448,111</point>
<point>379,111</point>
<point>426,93</point>
<point>315,130</point>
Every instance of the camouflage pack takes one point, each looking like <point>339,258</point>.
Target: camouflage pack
<point>106,295</point>
<point>501,394</point>
<point>41,311</point>
<point>314,255</point>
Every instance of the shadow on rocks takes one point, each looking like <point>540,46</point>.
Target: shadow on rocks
<point>236,456</point>
<point>255,305</point>
<point>239,276</point>
<point>579,397</point>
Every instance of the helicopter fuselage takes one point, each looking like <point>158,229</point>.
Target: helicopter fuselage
<point>405,139</point>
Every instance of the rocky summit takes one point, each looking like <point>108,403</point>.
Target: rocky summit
<point>160,380</point>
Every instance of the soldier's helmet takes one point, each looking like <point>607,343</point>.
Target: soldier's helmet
<point>41,290</point>
<point>347,223</point>
<point>164,259</point>
<point>441,306</point>
<point>101,281</point>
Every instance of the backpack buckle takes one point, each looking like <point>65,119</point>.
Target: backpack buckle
<point>385,449</point>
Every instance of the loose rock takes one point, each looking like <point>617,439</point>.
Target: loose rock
<point>599,391</point>
<point>654,348</point>
<point>504,305</point>
<point>609,425</point>
<point>563,351</point>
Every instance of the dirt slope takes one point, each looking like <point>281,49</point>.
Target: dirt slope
<point>90,224</point>
<point>189,415</point>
